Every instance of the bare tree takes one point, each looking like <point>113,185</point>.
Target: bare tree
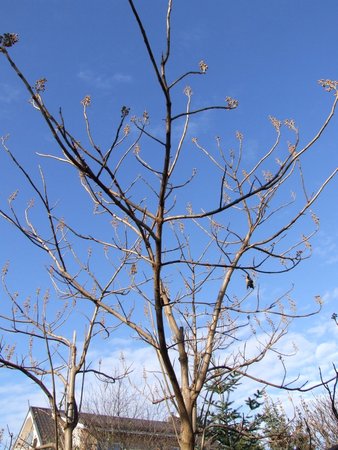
<point>130,396</point>
<point>53,361</point>
<point>321,422</point>
<point>113,407</point>
<point>321,413</point>
<point>6,439</point>
<point>185,247</point>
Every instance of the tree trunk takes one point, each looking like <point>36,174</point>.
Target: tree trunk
<point>71,406</point>
<point>187,437</point>
<point>68,438</point>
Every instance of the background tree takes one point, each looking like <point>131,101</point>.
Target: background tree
<point>129,396</point>
<point>321,416</point>
<point>226,424</point>
<point>284,432</point>
<point>180,234</point>
<point>120,400</point>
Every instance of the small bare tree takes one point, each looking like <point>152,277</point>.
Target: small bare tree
<point>6,439</point>
<point>129,396</point>
<point>111,405</point>
<point>179,233</point>
<point>53,361</point>
<point>321,422</point>
<point>321,413</point>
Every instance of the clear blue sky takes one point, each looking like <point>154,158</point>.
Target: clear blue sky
<point>268,54</point>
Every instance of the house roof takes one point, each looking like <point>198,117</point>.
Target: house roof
<point>45,424</point>
<point>128,425</point>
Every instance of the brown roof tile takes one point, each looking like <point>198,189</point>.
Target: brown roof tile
<point>44,422</point>
<point>46,426</point>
